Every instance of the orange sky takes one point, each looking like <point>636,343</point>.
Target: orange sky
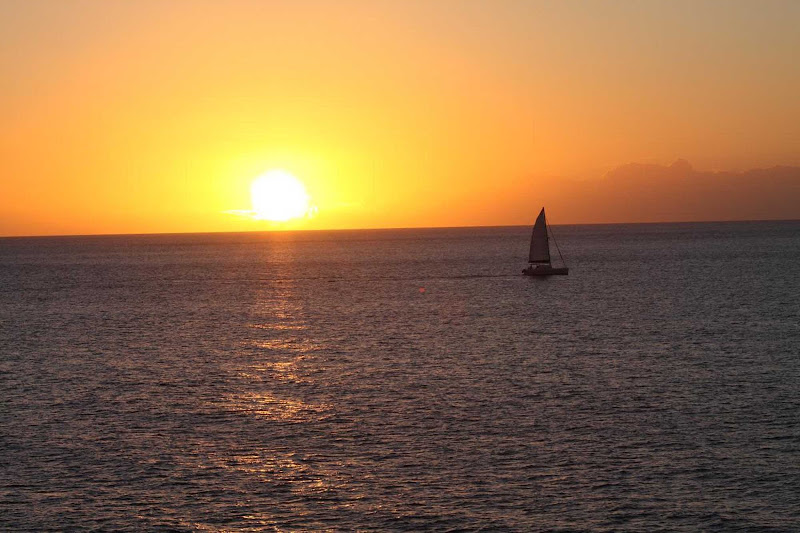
<point>154,116</point>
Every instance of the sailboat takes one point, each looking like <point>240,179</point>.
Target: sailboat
<point>539,258</point>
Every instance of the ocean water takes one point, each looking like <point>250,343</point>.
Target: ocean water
<point>402,380</point>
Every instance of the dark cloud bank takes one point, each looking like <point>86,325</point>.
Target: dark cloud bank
<point>656,193</point>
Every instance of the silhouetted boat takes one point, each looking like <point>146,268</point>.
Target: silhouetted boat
<point>539,258</point>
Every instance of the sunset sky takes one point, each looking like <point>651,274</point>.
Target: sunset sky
<point>157,116</point>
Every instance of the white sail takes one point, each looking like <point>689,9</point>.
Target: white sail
<point>540,248</point>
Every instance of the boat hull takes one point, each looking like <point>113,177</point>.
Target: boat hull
<point>546,270</point>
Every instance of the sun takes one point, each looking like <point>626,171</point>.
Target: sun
<point>278,196</point>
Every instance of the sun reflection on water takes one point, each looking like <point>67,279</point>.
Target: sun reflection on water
<point>276,352</point>
<point>273,375</point>
<point>274,407</point>
<point>291,345</point>
<point>278,326</point>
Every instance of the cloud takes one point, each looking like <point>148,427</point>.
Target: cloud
<point>656,193</point>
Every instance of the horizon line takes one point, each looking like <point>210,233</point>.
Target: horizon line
<point>396,228</point>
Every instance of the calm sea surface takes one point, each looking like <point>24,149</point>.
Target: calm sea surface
<point>251,382</point>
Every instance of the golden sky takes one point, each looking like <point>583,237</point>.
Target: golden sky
<point>156,116</point>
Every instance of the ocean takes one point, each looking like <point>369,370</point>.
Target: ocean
<point>402,380</point>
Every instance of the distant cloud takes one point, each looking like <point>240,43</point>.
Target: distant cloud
<point>656,193</point>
